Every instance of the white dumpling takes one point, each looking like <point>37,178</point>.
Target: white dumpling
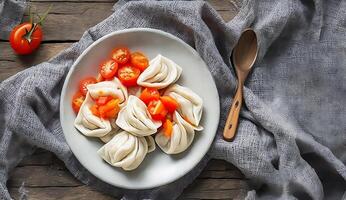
<point>151,143</point>
<point>112,133</point>
<point>190,104</point>
<point>181,137</point>
<point>112,88</point>
<point>161,73</point>
<point>115,130</point>
<point>89,124</point>
<point>134,118</point>
<point>124,150</point>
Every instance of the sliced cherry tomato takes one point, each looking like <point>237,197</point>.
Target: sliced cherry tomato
<point>157,110</point>
<point>108,69</point>
<point>83,84</point>
<point>121,55</point>
<point>95,110</point>
<point>99,78</point>
<point>26,38</point>
<point>167,128</point>
<point>128,75</point>
<point>149,94</point>
<point>112,113</point>
<point>110,110</point>
<point>103,100</point>
<point>139,60</point>
<point>170,103</point>
<point>77,101</point>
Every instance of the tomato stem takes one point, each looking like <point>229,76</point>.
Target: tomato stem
<point>30,15</point>
<point>42,18</point>
<point>29,33</point>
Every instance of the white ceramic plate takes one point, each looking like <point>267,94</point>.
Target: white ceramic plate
<point>157,168</point>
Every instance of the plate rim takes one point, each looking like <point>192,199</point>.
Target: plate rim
<point>72,69</point>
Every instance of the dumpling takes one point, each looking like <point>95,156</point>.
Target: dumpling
<point>89,124</point>
<point>161,73</point>
<point>190,104</point>
<point>181,137</point>
<point>109,88</point>
<point>112,133</point>
<point>124,150</point>
<point>115,130</point>
<point>134,118</point>
<point>151,143</point>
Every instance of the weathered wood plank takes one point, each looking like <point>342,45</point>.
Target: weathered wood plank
<point>227,174</point>
<point>43,180</point>
<point>85,192</point>
<point>67,21</point>
<point>220,165</point>
<point>219,184</point>
<point>42,176</point>
<point>217,4</point>
<point>53,193</point>
<point>213,165</point>
<point>39,159</point>
<point>11,63</point>
<point>35,175</point>
<point>224,4</point>
<point>227,15</point>
<point>44,53</point>
<point>216,194</point>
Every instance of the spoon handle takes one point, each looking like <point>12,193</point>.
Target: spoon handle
<point>233,115</point>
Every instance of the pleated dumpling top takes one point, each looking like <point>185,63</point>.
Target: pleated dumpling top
<point>161,73</point>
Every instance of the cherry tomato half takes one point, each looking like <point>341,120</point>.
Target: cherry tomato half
<point>139,60</point>
<point>95,110</point>
<point>103,100</point>
<point>83,84</point>
<point>170,103</point>
<point>77,101</point>
<point>167,128</point>
<point>128,75</point>
<point>157,110</point>
<point>108,69</point>
<point>99,78</point>
<point>149,94</point>
<point>26,38</point>
<point>121,55</point>
<point>110,109</point>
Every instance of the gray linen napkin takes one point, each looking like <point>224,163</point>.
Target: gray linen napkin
<point>291,141</point>
<point>11,13</point>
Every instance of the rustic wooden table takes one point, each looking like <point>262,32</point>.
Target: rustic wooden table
<point>42,174</point>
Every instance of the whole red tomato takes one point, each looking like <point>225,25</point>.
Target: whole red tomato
<point>26,38</point>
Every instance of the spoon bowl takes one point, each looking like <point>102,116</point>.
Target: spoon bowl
<point>245,52</point>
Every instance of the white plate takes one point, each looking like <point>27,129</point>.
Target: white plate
<point>157,168</point>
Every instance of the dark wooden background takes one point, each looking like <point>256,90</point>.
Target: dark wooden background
<point>43,175</point>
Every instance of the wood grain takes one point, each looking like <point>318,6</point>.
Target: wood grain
<point>46,177</point>
<point>53,193</point>
<point>11,63</point>
<point>68,20</point>
<point>214,194</point>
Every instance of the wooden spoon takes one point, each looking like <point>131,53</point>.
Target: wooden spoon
<point>243,56</point>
